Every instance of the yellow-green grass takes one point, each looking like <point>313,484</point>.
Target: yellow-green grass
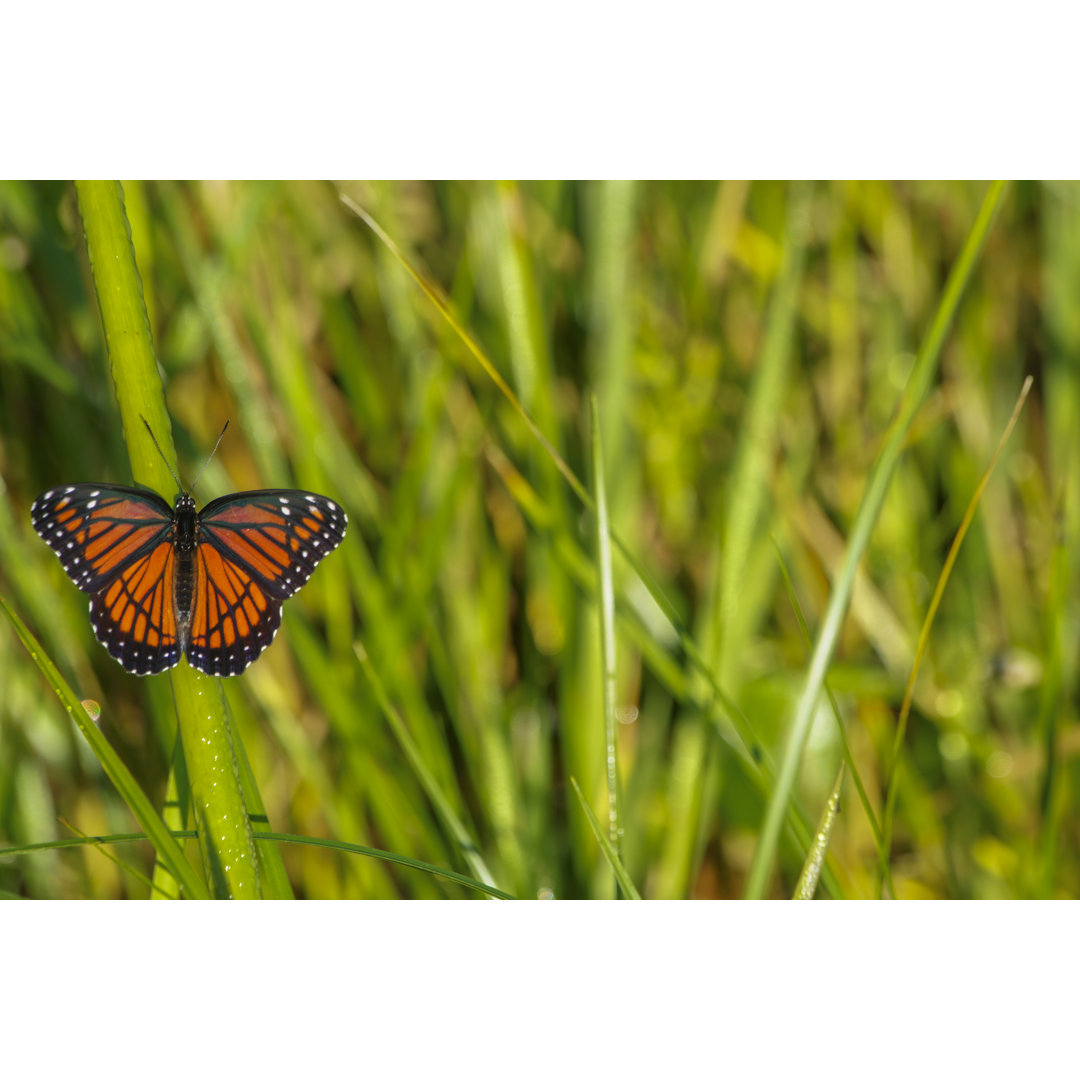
<point>481,645</point>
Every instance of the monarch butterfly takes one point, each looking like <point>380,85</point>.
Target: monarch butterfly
<point>166,581</point>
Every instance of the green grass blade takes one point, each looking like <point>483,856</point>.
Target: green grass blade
<point>117,772</point>
<point>849,760</point>
<point>389,856</point>
<point>892,776</point>
<point>723,714</point>
<point>174,814</point>
<point>225,841</point>
<point>759,437</point>
<point>489,368</point>
<point>273,878</point>
<point>1054,787</point>
<point>811,871</point>
<point>621,876</point>
<point>87,841</point>
<point>918,384</point>
<point>271,838</point>
<point>452,823</point>
<point>751,750</point>
<point>607,628</point>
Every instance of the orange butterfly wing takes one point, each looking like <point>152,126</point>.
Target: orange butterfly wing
<point>134,616</point>
<point>257,548</point>
<point>97,529</point>
<point>115,543</point>
<point>232,617</point>
<point>254,549</point>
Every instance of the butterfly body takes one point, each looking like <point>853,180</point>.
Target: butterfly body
<point>171,581</point>
<point>185,527</point>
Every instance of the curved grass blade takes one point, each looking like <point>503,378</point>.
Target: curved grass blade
<point>126,867</point>
<point>165,846</point>
<point>751,752</point>
<point>621,876</point>
<point>918,384</point>
<point>88,840</point>
<point>641,629</point>
<point>491,371</point>
<point>864,798</point>
<point>389,856</point>
<point>442,805</point>
<point>811,871</point>
<point>281,838</point>
<point>892,777</point>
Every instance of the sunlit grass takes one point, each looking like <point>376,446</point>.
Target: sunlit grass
<point>446,675</point>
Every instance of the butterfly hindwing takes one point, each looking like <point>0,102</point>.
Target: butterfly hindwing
<point>134,616</point>
<point>233,617</point>
<point>99,529</point>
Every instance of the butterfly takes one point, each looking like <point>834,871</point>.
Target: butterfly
<point>170,581</point>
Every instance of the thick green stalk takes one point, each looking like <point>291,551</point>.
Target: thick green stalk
<point>225,840</point>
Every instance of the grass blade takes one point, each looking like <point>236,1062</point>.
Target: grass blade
<point>277,838</point>
<point>617,868</point>
<point>117,772</point>
<point>749,485</point>
<point>918,384</point>
<point>892,776</point>
<point>450,820</point>
<point>228,850</point>
<point>721,708</point>
<point>811,871</point>
<point>607,628</point>
<point>849,760</point>
<point>389,856</point>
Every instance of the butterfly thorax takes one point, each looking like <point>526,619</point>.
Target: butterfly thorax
<point>185,541</point>
<point>187,524</point>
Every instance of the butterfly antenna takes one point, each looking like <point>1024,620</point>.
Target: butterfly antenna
<point>212,453</point>
<point>163,457</point>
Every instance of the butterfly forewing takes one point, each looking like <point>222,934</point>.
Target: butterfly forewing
<point>98,529</point>
<point>256,549</point>
<point>277,536</point>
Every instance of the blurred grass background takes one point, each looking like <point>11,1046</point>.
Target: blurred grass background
<point>747,345</point>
